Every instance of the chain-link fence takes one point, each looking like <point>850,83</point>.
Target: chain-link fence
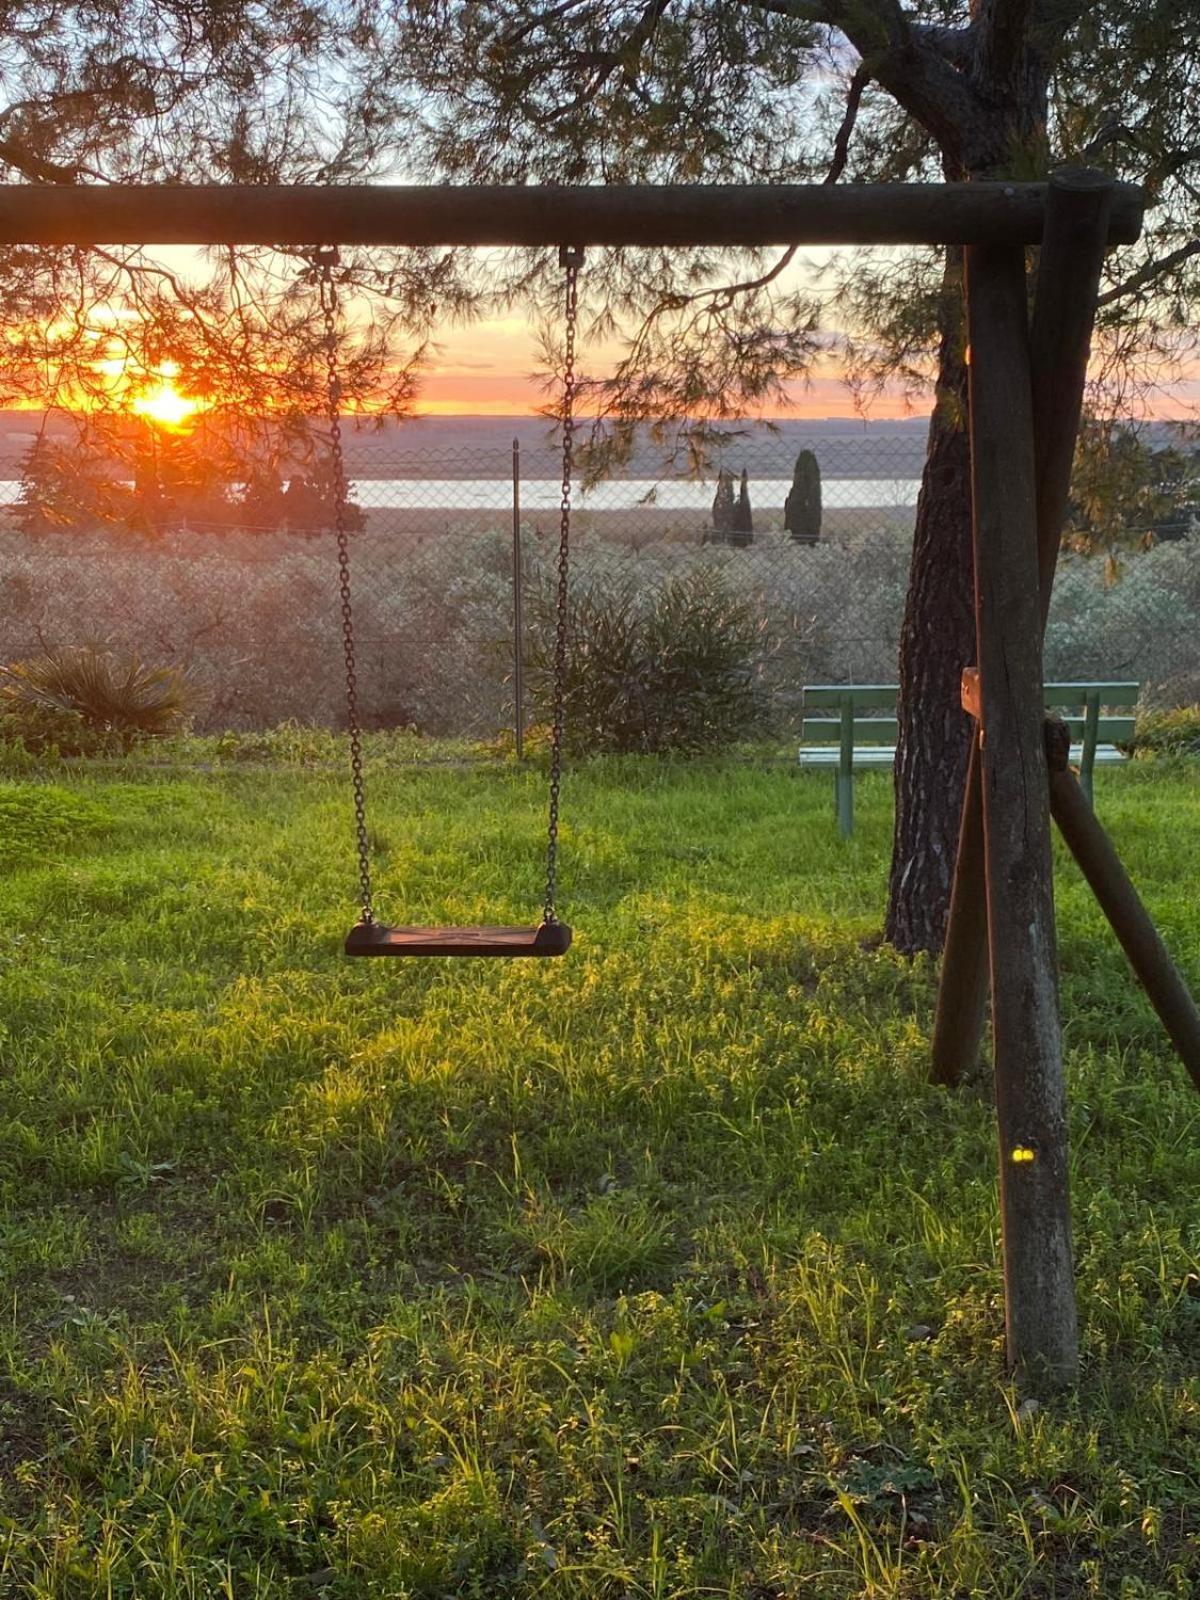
<point>454,538</point>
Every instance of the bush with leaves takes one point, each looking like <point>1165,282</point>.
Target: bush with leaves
<point>86,700</point>
<point>254,615</point>
<point>675,669</point>
<point>1168,733</point>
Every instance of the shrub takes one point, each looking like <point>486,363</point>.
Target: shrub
<point>81,701</point>
<point>38,730</point>
<point>1169,733</point>
<point>254,616</point>
<point>678,669</point>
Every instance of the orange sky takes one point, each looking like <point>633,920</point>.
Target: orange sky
<point>486,370</point>
<point>476,393</point>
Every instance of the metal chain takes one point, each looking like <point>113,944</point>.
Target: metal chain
<point>570,258</point>
<point>325,262</point>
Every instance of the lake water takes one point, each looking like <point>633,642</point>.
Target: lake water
<point>542,494</point>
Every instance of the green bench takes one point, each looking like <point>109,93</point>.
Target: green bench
<point>853,725</point>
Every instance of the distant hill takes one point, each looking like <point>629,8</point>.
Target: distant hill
<point>481,447</point>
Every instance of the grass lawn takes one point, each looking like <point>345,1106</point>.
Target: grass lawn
<point>659,1271</point>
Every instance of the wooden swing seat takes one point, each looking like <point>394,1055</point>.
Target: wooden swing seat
<point>376,939</point>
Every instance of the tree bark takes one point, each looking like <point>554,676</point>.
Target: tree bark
<point>936,643</point>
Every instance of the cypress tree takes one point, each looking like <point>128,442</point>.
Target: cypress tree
<point>742,530</point>
<point>723,507</point>
<point>802,509</point>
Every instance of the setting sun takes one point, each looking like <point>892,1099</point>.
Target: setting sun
<point>165,405</point>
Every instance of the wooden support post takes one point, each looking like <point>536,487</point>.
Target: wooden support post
<point>1078,211</point>
<point>1040,1314</point>
<point>1072,255</point>
<point>1078,216</point>
<point>962,991</point>
<point>1121,904</point>
<point>1087,757</point>
<point>518,586</point>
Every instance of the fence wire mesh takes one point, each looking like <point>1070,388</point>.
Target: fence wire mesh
<point>454,518</point>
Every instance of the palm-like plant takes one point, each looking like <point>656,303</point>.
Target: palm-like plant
<point>111,695</point>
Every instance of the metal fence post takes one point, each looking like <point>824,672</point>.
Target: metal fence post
<point>518,608</point>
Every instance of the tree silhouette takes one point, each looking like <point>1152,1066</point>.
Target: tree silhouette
<point>802,508</point>
<point>742,529</point>
<point>723,507</point>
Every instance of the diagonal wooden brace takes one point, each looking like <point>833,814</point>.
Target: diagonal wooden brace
<point>1119,900</point>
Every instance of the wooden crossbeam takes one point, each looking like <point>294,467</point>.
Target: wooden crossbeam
<point>612,214</point>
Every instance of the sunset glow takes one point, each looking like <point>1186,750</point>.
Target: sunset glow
<point>165,405</point>
<point>493,368</point>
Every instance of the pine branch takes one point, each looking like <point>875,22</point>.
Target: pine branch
<point>841,143</point>
<point>912,64</point>
<point>34,167</point>
<point>724,296</point>
<point>539,19</point>
<point>1150,273</point>
<point>622,57</point>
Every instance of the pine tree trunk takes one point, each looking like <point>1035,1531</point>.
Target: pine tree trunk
<point>937,641</point>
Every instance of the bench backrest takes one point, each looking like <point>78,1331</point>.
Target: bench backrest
<point>868,706</point>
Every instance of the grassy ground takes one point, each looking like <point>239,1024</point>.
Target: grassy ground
<point>659,1271</point>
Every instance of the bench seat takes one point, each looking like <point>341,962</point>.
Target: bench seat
<point>884,755</point>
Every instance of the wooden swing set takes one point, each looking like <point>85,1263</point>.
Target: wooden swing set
<point>1027,376</point>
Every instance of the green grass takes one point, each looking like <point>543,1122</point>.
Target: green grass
<point>657,1272</point>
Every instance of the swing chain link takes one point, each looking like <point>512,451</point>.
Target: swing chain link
<point>570,258</point>
<point>325,260</point>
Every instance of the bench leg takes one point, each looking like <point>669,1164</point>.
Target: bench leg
<point>1087,759</point>
<point>845,777</point>
<point>844,802</point>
